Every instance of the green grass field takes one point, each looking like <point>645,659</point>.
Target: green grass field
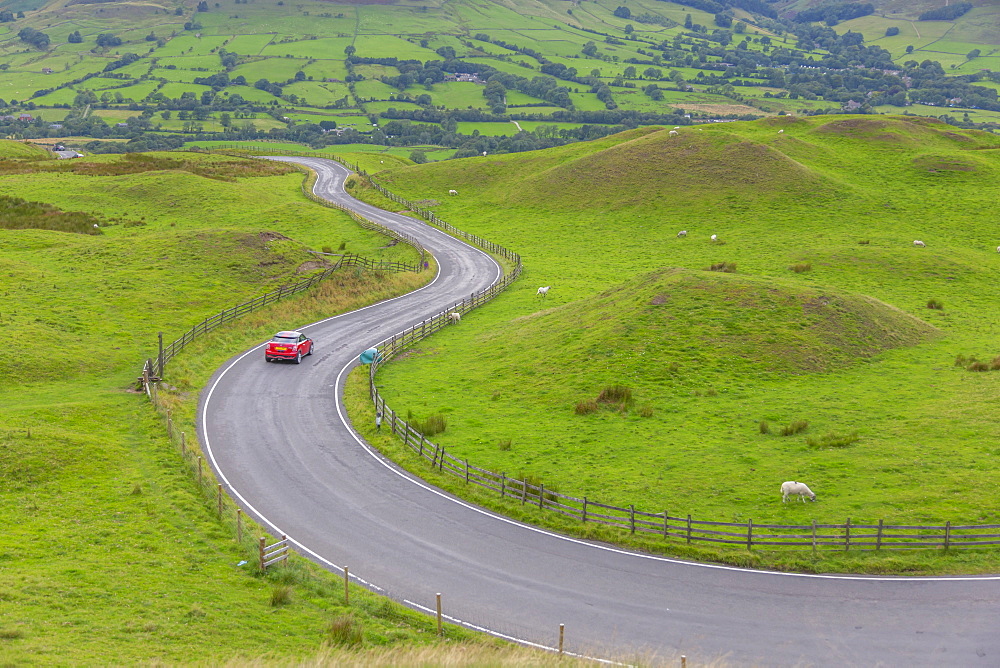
<point>685,340</point>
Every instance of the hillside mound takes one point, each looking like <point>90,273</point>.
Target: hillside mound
<point>689,320</point>
<point>684,168</point>
<point>15,150</point>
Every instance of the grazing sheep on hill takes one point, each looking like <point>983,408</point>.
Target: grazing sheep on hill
<point>781,132</point>
<point>715,237</point>
<point>543,291</point>
<point>455,317</point>
<point>800,489</point>
<point>919,244</point>
<point>998,249</point>
<point>674,133</point>
<point>682,233</point>
<point>452,192</point>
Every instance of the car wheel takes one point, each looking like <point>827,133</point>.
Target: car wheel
<point>298,358</point>
<point>267,359</point>
<point>312,346</point>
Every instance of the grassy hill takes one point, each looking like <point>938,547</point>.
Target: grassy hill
<point>831,317</point>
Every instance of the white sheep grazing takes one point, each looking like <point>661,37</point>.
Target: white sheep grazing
<point>781,132</point>
<point>455,317</point>
<point>452,192</point>
<point>682,233</point>
<point>543,291</point>
<point>674,133</point>
<point>919,244</point>
<point>715,237</point>
<point>800,489</point>
<point>998,249</point>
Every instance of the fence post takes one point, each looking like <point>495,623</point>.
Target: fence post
<point>749,534</point>
<point>421,447</point>
<point>347,593</point>
<point>878,537</point>
<point>584,514</point>
<point>503,484</point>
<point>439,612</point>
<point>159,357</point>
<point>631,517</point>
<point>239,525</point>
<point>689,528</point>
<point>541,494</point>
<point>524,491</point>
<point>466,471</point>
<point>260,550</point>
<point>562,631</point>
<point>220,500</point>
<point>947,534</point>
<point>441,460</point>
<point>814,537</point>
<point>183,444</point>
<point>199,469</point>
<point>847,535</point>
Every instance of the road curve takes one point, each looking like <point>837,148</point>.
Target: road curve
<point>277,437</point>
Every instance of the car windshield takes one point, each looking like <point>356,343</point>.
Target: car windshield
<point>285,339</point>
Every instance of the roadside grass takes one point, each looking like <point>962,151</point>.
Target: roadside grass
<point>922,424</point>
<point>134,564</point>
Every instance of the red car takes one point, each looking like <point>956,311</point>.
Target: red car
<point>288,346</point>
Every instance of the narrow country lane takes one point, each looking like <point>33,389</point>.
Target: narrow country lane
<point>277,436</point>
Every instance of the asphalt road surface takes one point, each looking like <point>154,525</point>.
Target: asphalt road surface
<point>279,440</point>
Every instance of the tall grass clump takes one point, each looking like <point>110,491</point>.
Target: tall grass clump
<point>434,424</point>
<point>935,304</point>
<point>794,428</point>
<point>586,406</point>
<point>344,631</point>
<point>281,595</point>
<point>615,394</point>
<point>504,445</point>
<point>832,440</point>
<point>763,427</point>
<point>801,267</point>
<point>726,267</point>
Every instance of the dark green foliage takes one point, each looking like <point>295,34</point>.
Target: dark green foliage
<point>623,12</point>
<point>19,214</point>
<point>75,37</point>
<point>946,13</point>
<point>763,427</point>
<point>108,40</point>
<point>891,31</point>
<point>34,37</point>
<point>794,428</point>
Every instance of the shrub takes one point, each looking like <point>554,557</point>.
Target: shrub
<point>962,360</point>
<point>327,249</point>
<point>801,267</point>
<point>764,427</point>
<point>935,304</point>
<point>434,424</point>
<point>584,407</point>
<point>645,411</point>
<point>504,446</point>
<point>727,267</point>
<point>615,394</point>
<point>281,595</point>
<point>995,364</point>
<point>832,440</point>
<point>342,246</point>
<point>978,366</point>
<point>864,242</point>
<point>794,428</point>
<point>345,631</point>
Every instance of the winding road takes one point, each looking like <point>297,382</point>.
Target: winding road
<point>277,437</point>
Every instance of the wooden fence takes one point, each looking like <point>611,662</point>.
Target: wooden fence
<point>679,528</point>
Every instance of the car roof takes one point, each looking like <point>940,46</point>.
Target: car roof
<point>289,334</point>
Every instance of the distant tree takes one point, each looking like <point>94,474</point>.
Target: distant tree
<point>688,23</point>
<point>179,11</point>
<point>300,76</point>
<point>165,115</point>
<point>203,6</point>
<point>34,37</point>
<point>590,50</point>
<point>723,20</point>
<point>225,120</point>
<point>151,37</point>
<point>349,50</point>
<point>740,28</point>
<point>107,40</point>
<point>652,73</point>
<point>630,72</point>
<point>891,31</point>
<point>623,12</point>
<point>946,13</point>
<point>446,52</point>
<point>909,49</point>
<point>75,37</point>
<point>418,156</point>
<point>629,29</point>
<point>6,16</point>
<point>973,54</point>
<point>20,15</point>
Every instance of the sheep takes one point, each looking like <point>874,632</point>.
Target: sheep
<point>677,127</point>
<point>800,489</point>
<point>998,249</point>
<point>919,244</point>
<point>682,233</point>
<point>715,237</point>
<point>543,291</point>
<point>452,192</point>
<point>455,317</point>
<point>781,132</point>
<point>674,133</point>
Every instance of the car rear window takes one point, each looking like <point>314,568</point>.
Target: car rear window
<point>285,339</point>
